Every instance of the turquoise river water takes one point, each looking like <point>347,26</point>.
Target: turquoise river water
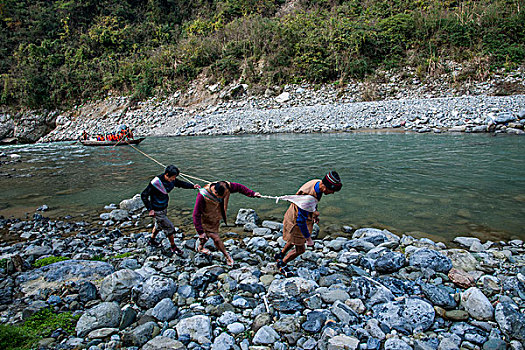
<point>435,185</point>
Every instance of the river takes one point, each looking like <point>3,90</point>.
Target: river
<point>435,185</point>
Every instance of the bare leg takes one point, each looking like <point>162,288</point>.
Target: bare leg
<point>202,242</point>
<point>286,248</point>
<point>171,239</point>
<point>154,232</point>
<point>299,249</point>
<point>220,245</point>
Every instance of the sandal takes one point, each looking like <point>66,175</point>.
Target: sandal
<point>203,250</point>
<point>278,256</point>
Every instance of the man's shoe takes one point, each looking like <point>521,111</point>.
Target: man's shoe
<point>153,243</point>
<point>278,256</point>
<point>176,250</point>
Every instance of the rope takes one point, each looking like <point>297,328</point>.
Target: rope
<point>196,178</point>
<point>270,197</point>
<point>184,176</point>
<point>153,159</point>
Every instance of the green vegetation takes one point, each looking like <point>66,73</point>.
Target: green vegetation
<point>3,263</point>
<point>58,53</point>
<point>49,260</point>
<point>121,256</point>
<point>98,258</point>
<point>12,337</point>
<point>41,324</point>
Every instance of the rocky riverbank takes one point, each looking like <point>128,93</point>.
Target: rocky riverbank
<point>362,289</point>
<point>399,101</point>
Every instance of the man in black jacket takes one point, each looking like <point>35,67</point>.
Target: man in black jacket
<point>156,199</point>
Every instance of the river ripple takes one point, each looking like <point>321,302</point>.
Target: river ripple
<point>443,185</point>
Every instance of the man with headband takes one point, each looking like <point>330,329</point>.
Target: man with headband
<point>298,223</point>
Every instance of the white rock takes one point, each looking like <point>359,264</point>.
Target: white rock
<point>284,97</point>
<point>265,335</point>
<point>477,304</point>
<point>343,342</point>
<point>196,327</point>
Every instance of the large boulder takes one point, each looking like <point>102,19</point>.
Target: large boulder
<point>461,259</point>
<point>438,295</point>
<point>118,215</point>
<point>477,304</point>
<point>103,315</point>
<point>343,342</point>
<point>118,285</point>
<point>6,290</point>
<point>132,204</point>
<point>30,127</point>
<point>396,344</point>
<point>370,291</point>
<point>390,262</point>
<point>375,236</point>
<point>291,288</point>
<point>7,126</point>
<point>141,334</point>
<point>510,320</point>
<point>165,310</point>
<point>55,275</point>
<point>153,290</point>
<point>265,335</point>
<point>223,342</point>
<point>407,315</point>
<point>197,327</point>
<point>245,216</point>
<point>430,259</point>
<point>37,250</point>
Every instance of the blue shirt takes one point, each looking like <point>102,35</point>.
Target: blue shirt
<point>302,215</point>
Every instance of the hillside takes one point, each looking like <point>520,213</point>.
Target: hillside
<point>56,54</point>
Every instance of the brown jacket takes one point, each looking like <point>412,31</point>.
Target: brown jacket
<point>211,216</point>
<point>291,231</point>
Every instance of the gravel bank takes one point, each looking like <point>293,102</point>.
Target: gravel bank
<point>363,289</point>
<point>404,104</point>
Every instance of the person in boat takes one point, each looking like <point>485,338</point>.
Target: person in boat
<point>210,206</point>
<point>84,135</point>
<point>125,133</point>
<point>298,223</point>
<point>156,198</point>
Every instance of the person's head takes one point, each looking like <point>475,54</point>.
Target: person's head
<point>219,188</point>
<point>171,172</point>
<point>331,183</point>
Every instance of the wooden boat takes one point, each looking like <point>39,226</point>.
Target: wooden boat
<point>112,143</point>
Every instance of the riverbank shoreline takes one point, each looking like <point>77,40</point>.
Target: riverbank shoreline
<point>505,114</point>
<point>363,289</point>
<point>401,102</point>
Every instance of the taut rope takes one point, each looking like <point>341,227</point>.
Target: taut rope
<point>184,176</point>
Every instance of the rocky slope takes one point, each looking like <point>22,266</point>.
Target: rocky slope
<point>363,289</point>
<point>394,101</point>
